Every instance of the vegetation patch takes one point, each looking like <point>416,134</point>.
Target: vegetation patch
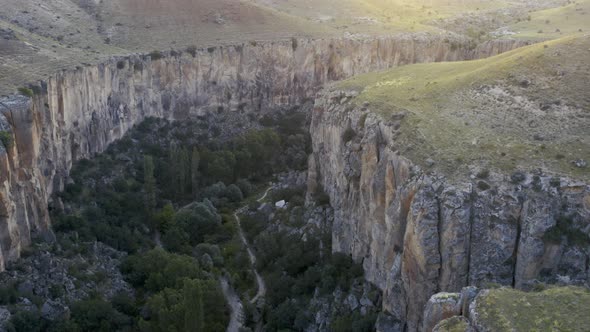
<point>26,92</point>
<point>554,22</point>
<point>554,309</point>
<point>6,138</point>
<point>458,112</point>
<point>564,229</point>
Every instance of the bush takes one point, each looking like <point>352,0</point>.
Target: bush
<point>8,294</point>
<point>121,64</point>
<point>6,138</point>
<point>99,315</point>
<point>156,55</point>
<point>192,50</point>
<point>158,269</point>
<point>348,135</point>
<point>26,92</point>
<point>26,321</point>
<point>564,228</point>
<point>245,187</point>
<point>233,193</point>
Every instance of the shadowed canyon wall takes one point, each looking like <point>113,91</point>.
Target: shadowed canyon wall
<point>76,114</point>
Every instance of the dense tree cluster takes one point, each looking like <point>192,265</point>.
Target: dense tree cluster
<point>163,186</point>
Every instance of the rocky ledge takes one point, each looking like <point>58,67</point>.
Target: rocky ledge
<point>506,309</point>
<point>419,233</point>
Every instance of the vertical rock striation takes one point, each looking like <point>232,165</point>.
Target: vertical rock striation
<point>418,233</point>
<point>76,114</point>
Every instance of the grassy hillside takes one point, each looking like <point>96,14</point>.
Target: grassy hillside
<point>38,38</point>
<point>527,108</point>
<point>555,22</point>
<point>555,309</point>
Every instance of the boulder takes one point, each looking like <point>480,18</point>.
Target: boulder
<point>440,307</point>
<point>53,310</point>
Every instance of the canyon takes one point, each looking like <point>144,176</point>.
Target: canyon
<point>416,232</point>
<point>76,114</point>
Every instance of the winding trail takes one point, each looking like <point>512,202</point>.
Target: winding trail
<point>237,309</point>
<point>236,319</point>
<point>261,285</point>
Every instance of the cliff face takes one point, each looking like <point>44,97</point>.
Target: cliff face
<point>419,233</point>
<point>76,114</point>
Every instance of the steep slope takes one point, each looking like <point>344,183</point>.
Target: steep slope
<point>76,114</point>
<point>454,174</point>
<point>39,38</point>
<point>522,109</point>
<point>554,22</point>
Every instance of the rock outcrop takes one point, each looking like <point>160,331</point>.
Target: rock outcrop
<point>75,114</point>
<point>507,309</point>
<point>418,233</point>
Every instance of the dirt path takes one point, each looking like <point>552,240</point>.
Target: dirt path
<point>236,319</point>
<point>261,285</point>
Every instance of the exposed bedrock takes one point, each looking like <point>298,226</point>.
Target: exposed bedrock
<point>418,233</point>
<point>76,114</point>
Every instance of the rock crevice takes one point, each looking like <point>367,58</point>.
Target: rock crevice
<point>76,114</point>
<point>419,233</point>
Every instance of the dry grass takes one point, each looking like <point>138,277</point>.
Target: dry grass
<point>481,113</point>
<point>555,23</point>
<point>555,309</point>
<point>56,34</point>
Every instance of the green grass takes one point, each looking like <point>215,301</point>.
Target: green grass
<point>453,324</point>
<point>442,122</point>
<point>555,22</point>
<point>26,92</point>
<point>555,309</point>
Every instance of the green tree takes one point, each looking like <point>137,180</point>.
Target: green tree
<point>164,218</point>
<point>195,159</point>
<point>222,165</point>
<point>149,184</point>
<point>158,269</point>
<point>193,303</point>
<point>167,312</point>
<point>183,171</point>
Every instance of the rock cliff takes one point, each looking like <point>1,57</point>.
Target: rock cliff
<point>418,232</point>
<point>75,114</point>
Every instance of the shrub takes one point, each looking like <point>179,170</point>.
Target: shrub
<point>8,294</point>
<point>138,66</point>
<point>348,135</point>
<point>26,92</point>
<point>6,138</point>
<point>26,321</point>
<point>98,315</point>
<point>155,55</point>
<point>483,174</point>
<point>56,291</point>
<point>233,193</point>
<point>564,228</point>
<point>362,120</point>
<point>294,43</point>
<point>192,50</point>
<point>245,187</point>
<point>323,199</point>
<point>482,185</point>
<point>121,64</point>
